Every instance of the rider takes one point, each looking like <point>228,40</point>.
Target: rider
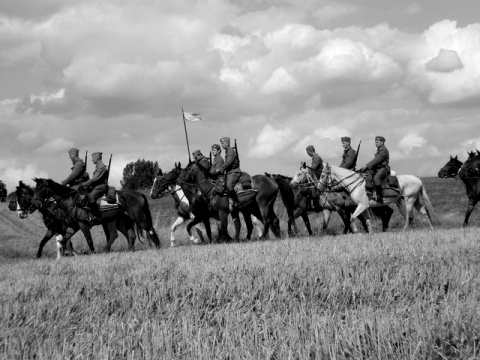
<point>379,167</point>
<point>78,169</point>
<point>217,160</point>
<point>201,160</point>
<point>348,157</point>
<point>231,167</point>
<point>317,167</point>
<point>97,182</point>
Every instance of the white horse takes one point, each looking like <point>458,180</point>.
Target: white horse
<point>411,189</point>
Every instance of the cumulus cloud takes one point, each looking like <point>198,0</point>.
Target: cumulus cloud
<point>334,10</point>
<point>270,141</point>
<point>11,173</point>
<point>280,81</point>
<point>57,145</point>
<point>445,61</point>
<point>410,141</point>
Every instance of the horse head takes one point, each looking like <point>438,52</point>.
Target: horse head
<point>24,196</point>
<point>12,201</point>
<point>186,175</point>
<point>325,178</point>
<point>451,168</point>
<point>162,182</point>
<point>471,167</point>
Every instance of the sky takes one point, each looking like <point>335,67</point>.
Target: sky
<point>113,76</point>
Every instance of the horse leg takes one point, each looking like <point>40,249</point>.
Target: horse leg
<point>236,223</point>
<point>48,235</point>
<point>409,212</point>
<point>363,220</point>
<point>386,216</point>
<point>128,232</point>
<point>208,229</point>
<point>360,209</point>
<point>471,206</point>
<point>195,221</point>
<point>180,220</point>
<point>418,205</point>
<point>111,229</point>
<point>306,220</point>
<point>247,217</point>
<point>60,250</point>
<point>257,224</point>
<point>222,231</point>
<point>88,236</point>
<point>326,220</point>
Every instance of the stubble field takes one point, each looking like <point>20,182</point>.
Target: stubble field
<point>393,295</point>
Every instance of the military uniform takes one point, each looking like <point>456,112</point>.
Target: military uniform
<point>379,167</point>
<point>217,163</point>
<point>348,157</point>
<point>231,167</point>
<point>201,160</point>
<point>97,182</point>
<point>317,168</point>
<point>78,169</point>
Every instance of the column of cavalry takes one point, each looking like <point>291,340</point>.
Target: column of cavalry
<point>80,202</point>
<point>217,188</point>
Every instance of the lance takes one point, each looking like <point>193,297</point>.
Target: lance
<point>356,155</point>
<point>86,154</point>
<point>186,136</point>
<point>211,162</point>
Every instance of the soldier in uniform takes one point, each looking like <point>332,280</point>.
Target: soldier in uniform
<point>201,160</point>
<point>78,169</point>
<point>217,160</point>
<point>379,167</point>
<point>97,183</point>
<point>348,157</point>
<point>317,167</point>
<point>231,168</point>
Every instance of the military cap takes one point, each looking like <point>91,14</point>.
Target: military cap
<point>196,153</point>
<point>225,139</point>
<point>310,148</point>
<point>73,151</point>
<point>381,138</point>
<point>216,146</point>
<point>346,138</point>
<point>99,154</point>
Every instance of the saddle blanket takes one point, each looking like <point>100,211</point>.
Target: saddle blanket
<point>105,206</point>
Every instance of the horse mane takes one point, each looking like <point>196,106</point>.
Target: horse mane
<point>58,189</point>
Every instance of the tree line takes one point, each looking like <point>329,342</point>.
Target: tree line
<point>139,174</point>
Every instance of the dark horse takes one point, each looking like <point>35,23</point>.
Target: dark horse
<point>187,203</point>
<point>295,198</point>
<point>3,192</point>
<point>56,222</point>
<point>258,202</point>
<point>469,173</point>
<point>131,203</point>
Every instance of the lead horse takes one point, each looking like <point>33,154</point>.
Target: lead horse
<point>411,190</point>
<point>130,203</point>
<point>259,205</point>
<point>54,219</point>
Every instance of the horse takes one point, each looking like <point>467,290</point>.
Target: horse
<point>469,173</point>
<point>184,211</point>
<point>411,191</point>
<point>258,202</point>
<point>54,219</point>
<point>301,182</point>
<point>3,192</point>
<point>131,203</point>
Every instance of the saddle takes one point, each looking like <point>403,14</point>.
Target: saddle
<point>105,203</point>
<point>245,183</point>
<point>391,186</point>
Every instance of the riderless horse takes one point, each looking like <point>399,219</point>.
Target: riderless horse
<point>258,201</point>
<point>411,190</point>
<point>131,203</point>
<point>57,225</point>
<point>469,173</point>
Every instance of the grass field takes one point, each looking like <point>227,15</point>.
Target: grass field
<point>396,295</point>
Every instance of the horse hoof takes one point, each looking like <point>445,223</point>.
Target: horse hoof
<point>197,241</point>
<point>173,245</point>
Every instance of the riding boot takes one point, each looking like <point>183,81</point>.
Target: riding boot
<point>96,215</point>
<point>379,191</point>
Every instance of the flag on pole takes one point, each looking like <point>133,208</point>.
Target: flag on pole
<point>192,116</point>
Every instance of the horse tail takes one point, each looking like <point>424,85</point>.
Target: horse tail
<point>287,195</point>
<point>141,215</point>
<point>429,208</point>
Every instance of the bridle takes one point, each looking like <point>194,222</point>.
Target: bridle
<point>210,193</point>
<point>330,183</point>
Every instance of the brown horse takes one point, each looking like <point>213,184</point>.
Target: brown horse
<point>131,203</point>
<point>3,192</point>
<point>258,202</point>
<point>469,173</point>
<point>55,218</point>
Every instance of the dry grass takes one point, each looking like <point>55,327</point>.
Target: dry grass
<point>383,296</point>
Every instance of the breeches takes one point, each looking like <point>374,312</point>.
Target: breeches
<point>379,176</point>
<point>232,178</point>
<point>96,193</point>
